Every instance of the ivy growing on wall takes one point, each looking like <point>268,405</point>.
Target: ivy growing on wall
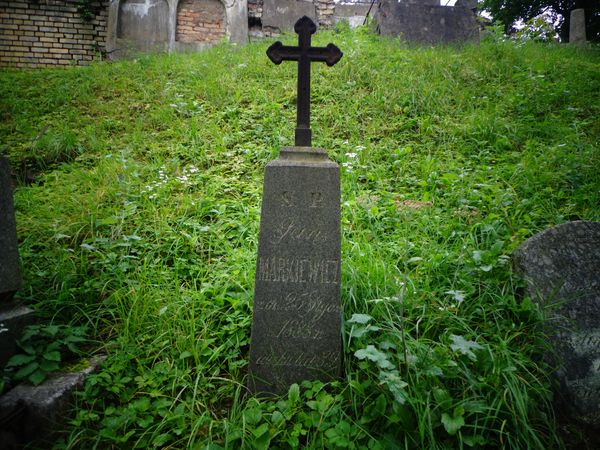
<point>87,10</point>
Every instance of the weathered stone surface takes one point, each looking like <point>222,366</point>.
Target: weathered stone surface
<point>143,25</point>
<point>562,266</point>
<point>423,2</point>
<point>166,25</point>
<point>577,34</point>
<point>283,14</point>
<point>425,23</point>
<point>355,14</point>
<point>10,273</point>
<point>13,319</point>
<point>296,329</point>
<point>39,410</point>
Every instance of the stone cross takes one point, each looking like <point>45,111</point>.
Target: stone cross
<point>304,54</point>
<point>296,323</point>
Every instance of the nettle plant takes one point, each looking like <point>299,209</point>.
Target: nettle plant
<point>402,368</point>
<point>44,347</point>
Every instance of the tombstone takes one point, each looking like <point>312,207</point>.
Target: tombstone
<point>143,25</point>
<point>427,22</point>
<point>562,266</point>
<point>282,14</point>
<point>577,27</point>
<point>13,318</point>
<point>296,327</point>
<point>10,274</point>
<point>354,13</point>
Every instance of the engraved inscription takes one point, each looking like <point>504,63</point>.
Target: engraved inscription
<point>299,329</point>
<point>316,199</point>
<point>298,270</point>
<point>327,360</point>
<point>288,199</point>
<point>305,303</point>
<point>293,232</point>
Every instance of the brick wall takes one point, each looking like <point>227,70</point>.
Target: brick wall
<point>200,21</point>
<point>50,33</point>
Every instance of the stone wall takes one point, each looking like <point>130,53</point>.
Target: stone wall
<point>50,33</point>
<point>43,33</point>
<point>136,26</point>
<point>270,17</point>
<point>427,22</point>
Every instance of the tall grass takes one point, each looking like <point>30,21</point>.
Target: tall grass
<point>138,211</point>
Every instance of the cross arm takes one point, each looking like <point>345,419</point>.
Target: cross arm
<point>329,55</point>
<point>278,52</point>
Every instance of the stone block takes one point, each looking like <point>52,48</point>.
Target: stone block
<point>355,14</point>
<point>10,272</point>
<point>283,14</point>
<point>562,268</point>
<point>427,23</point>
<point>577,33</point>
<point>13,319</point>
<point>38,411</point>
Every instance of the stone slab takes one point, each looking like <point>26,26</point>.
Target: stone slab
<point>296,328</point>
<point>142,26</point>
<point>469,4</point>
<point>283,14</point>
<point>355,14</point>
<point>10,272</point>
<point>427,24</point>
<point>577,33</point>
<point>561,267</point>
<point>13,320</point>
<point>40,410</point>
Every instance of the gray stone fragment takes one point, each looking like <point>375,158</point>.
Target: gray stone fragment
<point>577,34</point>
<point>13,319</point>
<point>142,25</point>
<point>296,328</point>
<point>355,14</point>
<point>469,4</point>
<point>42,409</point>
<point>562,266</point>
<point>423,2</point>
<point>283,14</point>
<point>424,23</point>
<point>10,273</point>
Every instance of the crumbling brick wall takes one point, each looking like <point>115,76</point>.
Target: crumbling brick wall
<point>42,33</point>
<point>200,21</point>
<point>325,10</point>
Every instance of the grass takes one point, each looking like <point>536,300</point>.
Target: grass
<point>138,209</point>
